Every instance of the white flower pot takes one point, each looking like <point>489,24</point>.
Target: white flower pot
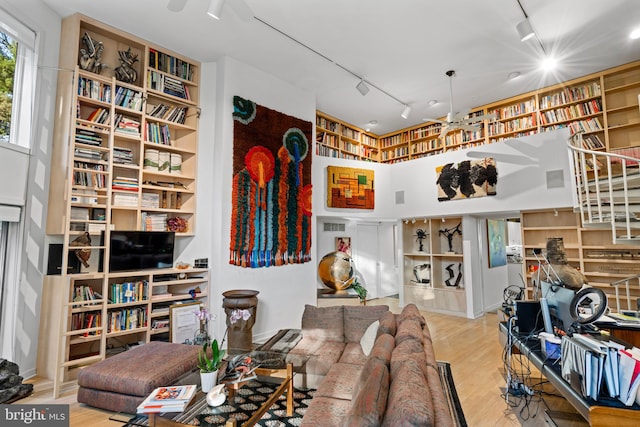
<point>208,380</point>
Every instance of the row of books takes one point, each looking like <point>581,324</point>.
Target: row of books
<point>87,153</point>
<point>88,137</point>
<point>170,64</point>
<point>170,113</point>
<point>85,293</point>
<point>86,320</point>
<point>129,98</point>
<point>127,125</point>
<point>150,200</point>
<point>570,95</point>
<point>126,319</point>
<point>124,199</point>
<point>158,134</point>
<point>326,124</point>
<point>94,89</point>
<point>592,142</point>
<point>122,155</point>
<point>87,178</point>
<point>99,115</point>
<point>496,128</point>
<point>154,221</point>
<point>121,293</point>
<point>124,183</point>
<point>571,112</point>
<point>168,85</point>
<point>589,362</point>
<point>515,110</point>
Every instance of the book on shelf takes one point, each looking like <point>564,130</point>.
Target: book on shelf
<point>167,399</point>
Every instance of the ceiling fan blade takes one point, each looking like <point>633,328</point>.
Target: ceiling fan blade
<point>444,131</point>
<point>242,9</point>
<point>176,5</point>
<point>429,119</point>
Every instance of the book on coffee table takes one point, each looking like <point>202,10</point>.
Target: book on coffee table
<point>167,399</point>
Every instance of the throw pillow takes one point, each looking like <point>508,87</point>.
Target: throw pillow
<point>369,338</point>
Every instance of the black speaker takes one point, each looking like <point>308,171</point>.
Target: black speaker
<point>54,261</point>
<point>529,317</point>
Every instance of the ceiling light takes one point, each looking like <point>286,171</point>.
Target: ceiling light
<point>548,63</point>
<point>525,31</point>
<point>432,102</point>
<point>514,75</point>
<point>373,122</point>
<point>635,34</point>
<point>215,8</point>
<point>406,112</point>
<point>176,5</point>
<point>362,87</point>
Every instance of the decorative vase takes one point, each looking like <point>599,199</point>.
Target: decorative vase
<point>240,337</point>
<point>208,380</point>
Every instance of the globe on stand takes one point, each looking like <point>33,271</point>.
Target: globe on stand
<point>336,270</point>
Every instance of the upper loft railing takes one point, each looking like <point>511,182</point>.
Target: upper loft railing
<point>608,190</point>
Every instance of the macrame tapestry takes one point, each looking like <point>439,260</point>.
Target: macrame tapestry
<point>271,199</point>
<point>469,178</point>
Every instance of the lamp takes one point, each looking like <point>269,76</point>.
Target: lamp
<point>406,112</point>
<point>215,8</point>
<point>362,87</point>
<point>525,31</point>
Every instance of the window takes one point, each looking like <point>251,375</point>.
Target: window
<point>17,80</point>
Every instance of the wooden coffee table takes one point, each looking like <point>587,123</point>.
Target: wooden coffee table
<point>284,375</point>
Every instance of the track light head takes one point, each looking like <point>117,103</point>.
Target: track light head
<point>525,31</point>
<point>362,87</point>
<point>215,8</point>
<point>406,112</point>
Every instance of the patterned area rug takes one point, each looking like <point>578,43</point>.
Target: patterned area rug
<point>245,402</point>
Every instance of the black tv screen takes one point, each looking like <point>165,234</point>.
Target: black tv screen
<point>140,250</point>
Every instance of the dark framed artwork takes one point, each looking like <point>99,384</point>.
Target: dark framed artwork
<point>467,179</point>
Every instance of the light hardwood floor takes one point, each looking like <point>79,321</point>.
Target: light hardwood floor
<point>472,347</point>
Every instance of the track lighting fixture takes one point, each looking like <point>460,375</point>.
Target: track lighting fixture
<point>442,219</point>
<point>406,112</point>
<point>413,221</point>
<point>362,87</point>
<point>425,220</point>
<point>406,221</point>
<point>525,31</point>
<point>215,8</point>
<point>555,212</point>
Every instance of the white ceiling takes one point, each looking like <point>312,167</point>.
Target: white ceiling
<point>403,47</point>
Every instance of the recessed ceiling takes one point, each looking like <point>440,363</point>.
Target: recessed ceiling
<point>403,48</point>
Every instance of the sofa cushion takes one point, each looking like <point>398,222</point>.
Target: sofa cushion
<point>409,328</point>
<point>325,412</point>
<point>358,318</point>
<point>383,347</point>
<point>318,363</point>
<point>409,402</point>
<point>369,337</point>
<point>339,381</point>
<point>353,354</point>
<point>411,311</point>
<point>370,403</point>
<point>323,323</point>
<point>387,324</point>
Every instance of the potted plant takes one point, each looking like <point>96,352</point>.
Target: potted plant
<point>361,291</point>
<point>209,365</point>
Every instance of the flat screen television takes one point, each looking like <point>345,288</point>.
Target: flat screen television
<point>140,250</point>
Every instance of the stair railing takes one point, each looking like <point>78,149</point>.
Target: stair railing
<point>597,198</point>
<point>627,283</point>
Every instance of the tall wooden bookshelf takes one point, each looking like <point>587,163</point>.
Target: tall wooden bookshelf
<point>338,139</point>
<point>124,158</point>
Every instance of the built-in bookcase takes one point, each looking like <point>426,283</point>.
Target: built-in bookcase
<point>124,158</point>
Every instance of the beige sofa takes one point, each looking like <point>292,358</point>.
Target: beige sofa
<point>365,375</point>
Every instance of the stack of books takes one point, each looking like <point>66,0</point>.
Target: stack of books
<point>154,222</point>
<point>124,183</point>
<point>122,199</point>
<point>122,155</point>
<point>127,125</point>
<point>167,399</point>
<point>88,137</point>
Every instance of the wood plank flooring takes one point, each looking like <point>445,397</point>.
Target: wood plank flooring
<point>472,347</point>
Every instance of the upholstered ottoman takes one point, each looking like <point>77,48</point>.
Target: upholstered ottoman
<point>121,382</point>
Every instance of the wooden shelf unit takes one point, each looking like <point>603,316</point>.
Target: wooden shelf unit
<point>435,295</point>
<point>335,138</point>
<point>588,249</point>
<point>602,105</point>
<point>85,317</point>
<point>122,152</point>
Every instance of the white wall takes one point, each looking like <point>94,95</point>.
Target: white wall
<point>283,290</point>
<point>47,25</point>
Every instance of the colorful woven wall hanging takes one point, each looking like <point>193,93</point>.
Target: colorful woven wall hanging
<point>271,199</point>
<point>350,188</point>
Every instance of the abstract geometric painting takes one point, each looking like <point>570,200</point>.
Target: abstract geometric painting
<point>350,188</point>
<point>469,178</point>
<point>271,194</point>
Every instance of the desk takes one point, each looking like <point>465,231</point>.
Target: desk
<point>606,413</point>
